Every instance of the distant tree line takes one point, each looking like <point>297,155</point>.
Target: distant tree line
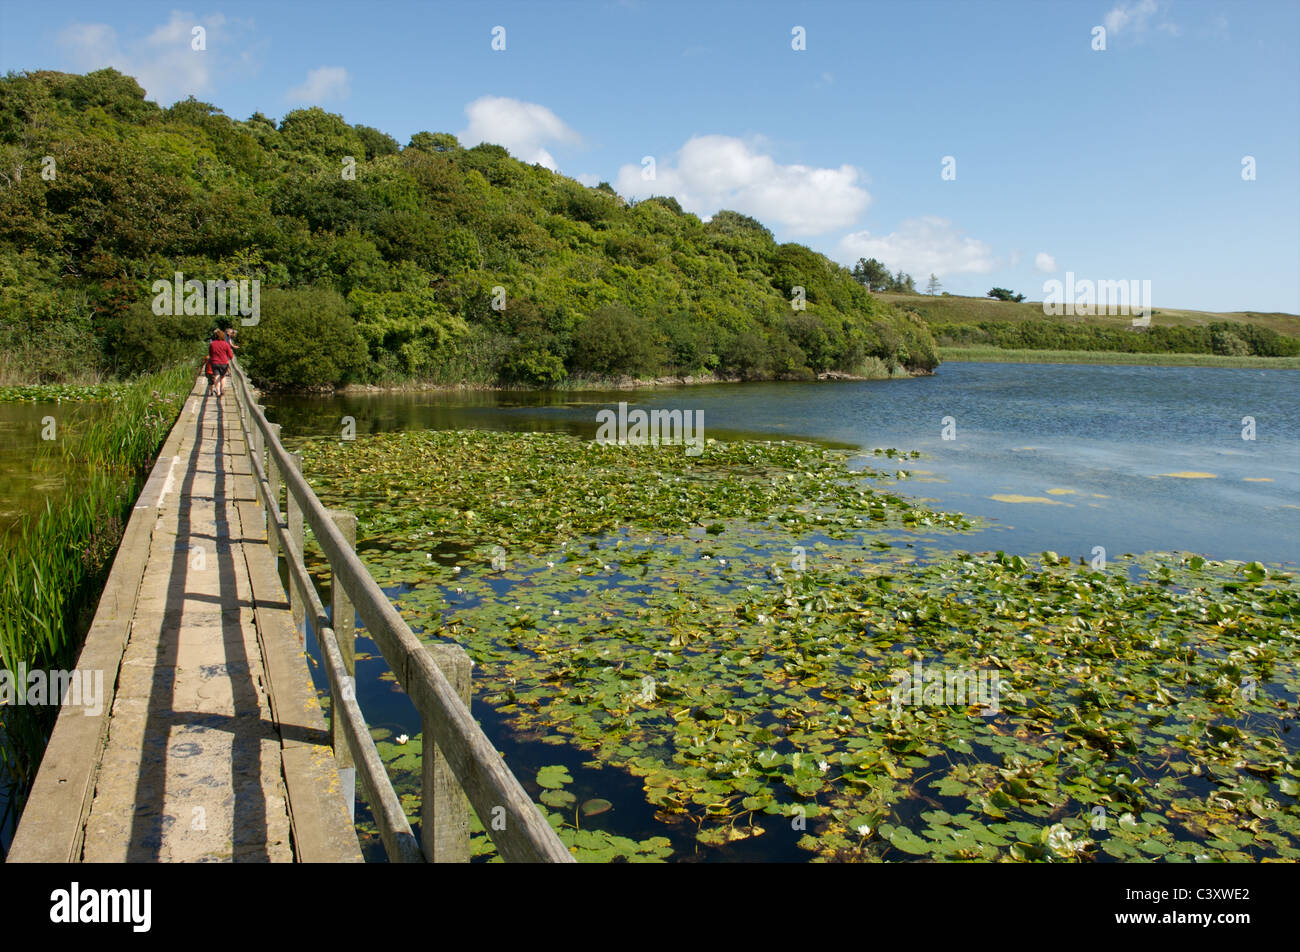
<point>875,276</point>
<point>1227,338</point>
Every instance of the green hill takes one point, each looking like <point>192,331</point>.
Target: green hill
<point>380,263</point>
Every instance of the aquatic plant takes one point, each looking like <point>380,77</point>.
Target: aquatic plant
<point>756,634</point>
<point>55,561</point>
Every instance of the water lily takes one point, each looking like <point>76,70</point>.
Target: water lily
<point>823,766</point>
<point>864,830</point>
<point>402,738</point>
<point>1061,842</point>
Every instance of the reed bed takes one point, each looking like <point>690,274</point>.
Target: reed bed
<point>55,561</point>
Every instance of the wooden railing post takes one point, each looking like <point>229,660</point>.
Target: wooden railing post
<point>273,482</point>
<point>256,448</point>
<point>294,516</point>
<point>465,768</point>
<point>343,621</point>
<point>444,808</point>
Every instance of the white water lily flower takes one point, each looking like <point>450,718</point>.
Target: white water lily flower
<point>864,830</point>
<point>823,766</point>
<point>1059,840</point>
<point>550,565</point>
<point>455,570</point>
<point>402,738</point>
<point>555,611</point>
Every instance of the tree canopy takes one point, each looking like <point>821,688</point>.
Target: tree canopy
<point>383,263</point>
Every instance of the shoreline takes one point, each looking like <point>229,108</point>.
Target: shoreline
<point>1111,357</point>
<point>580,384</point>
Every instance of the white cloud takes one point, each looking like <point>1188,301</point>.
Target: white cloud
<point>1135,18</point>
<point>589,179</point>
<point>921,246</point>
<point>523,128</point>
<point>164,62</point>
<point>714,172</point>
<point>1124,16</point>
<point>322,84</point>
<point>1045,262</point>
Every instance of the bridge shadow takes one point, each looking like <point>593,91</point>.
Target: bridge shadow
<point>243,787</point>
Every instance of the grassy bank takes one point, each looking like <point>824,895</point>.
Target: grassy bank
<point>1002,355</point>
<point>54,562</point>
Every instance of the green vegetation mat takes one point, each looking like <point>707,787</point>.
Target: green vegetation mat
<point>57,393</point>
<point>731,629</point>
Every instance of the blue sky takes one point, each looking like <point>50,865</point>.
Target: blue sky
<point>1117,164</point>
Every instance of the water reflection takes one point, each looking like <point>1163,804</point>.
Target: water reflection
<point>1096,441</point>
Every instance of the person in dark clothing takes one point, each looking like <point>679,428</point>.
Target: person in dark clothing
<point>220,355</point>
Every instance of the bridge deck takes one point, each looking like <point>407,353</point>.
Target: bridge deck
<point>203,760</point>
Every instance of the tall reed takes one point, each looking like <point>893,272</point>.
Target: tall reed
<point>54,562</point>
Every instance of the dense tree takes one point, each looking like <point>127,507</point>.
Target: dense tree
<point>434,142</point>
<point>432,261</point>
<point>1004,294</point>
<point>874,274</point>
<point>304,337</point>
<point>377,143</point>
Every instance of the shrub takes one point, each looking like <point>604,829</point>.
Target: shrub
<point>304,338</point>
<point>1227,343</point>
<point>613,341</point>
<point>142,342</point>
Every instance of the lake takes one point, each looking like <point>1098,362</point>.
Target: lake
<point>1080,456</point>
<point>1063,458</point>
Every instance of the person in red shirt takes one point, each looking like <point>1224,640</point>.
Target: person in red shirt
<point>220,355</point>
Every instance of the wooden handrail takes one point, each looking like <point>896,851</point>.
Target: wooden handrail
<point>512,820</point>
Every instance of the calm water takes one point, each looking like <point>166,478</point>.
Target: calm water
<point>1090,444</point>
<point>29,472</point>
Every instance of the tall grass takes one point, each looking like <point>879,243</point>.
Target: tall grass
<point>54,562</point>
